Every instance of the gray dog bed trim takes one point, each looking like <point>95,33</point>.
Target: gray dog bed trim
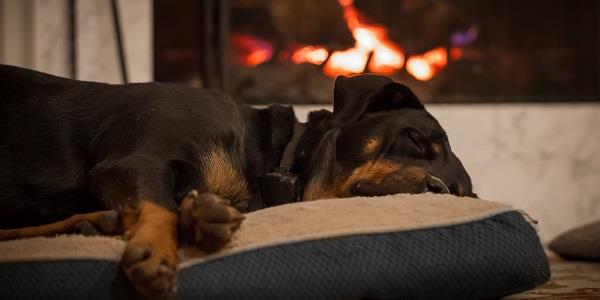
<point>581,243</point>
<point>393,247</point>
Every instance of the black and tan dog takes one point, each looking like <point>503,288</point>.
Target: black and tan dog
<point>164,164</point>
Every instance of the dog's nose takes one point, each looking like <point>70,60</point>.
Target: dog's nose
<point>436,185</point>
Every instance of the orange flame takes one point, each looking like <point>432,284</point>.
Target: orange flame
<point>419,68</point>
<point>424,67</point>
<point>351,61</point>
<point>372,50</point>
<point>310,54</point>
<point>386,60</point>
<point>437,57</point>
<point>386,57</point>
<point>251,51</point>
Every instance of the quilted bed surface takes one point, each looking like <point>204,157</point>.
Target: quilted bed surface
<point>393,247</point>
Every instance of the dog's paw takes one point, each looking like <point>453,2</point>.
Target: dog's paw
<point>150,258</point>
<point>150,268</point>
<point>208,221</point>
<point>109,222</point>
<point>86,228</point>
<point>101,223</point>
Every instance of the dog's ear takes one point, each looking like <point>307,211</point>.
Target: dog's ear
<point>354,96</point>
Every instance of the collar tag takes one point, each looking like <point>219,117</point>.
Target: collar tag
<point>279,187</point>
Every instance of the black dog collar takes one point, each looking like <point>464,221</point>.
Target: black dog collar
<point>281,185</point>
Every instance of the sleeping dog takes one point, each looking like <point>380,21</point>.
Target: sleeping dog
<point>163,164</point>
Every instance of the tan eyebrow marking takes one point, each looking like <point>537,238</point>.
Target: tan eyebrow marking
<point>437,148</point>
<point>371,145</point>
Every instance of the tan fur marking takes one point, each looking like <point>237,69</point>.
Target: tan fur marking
<point>154,228</point>
<point>316,190</point>
<point>460,189</point>
<point>374,171</point>
<point>223,178</point>
<point>63,226</point>
<point>154,224</point>
<point>436,148</point>
<point>371,171</point>
<point>371,145</point>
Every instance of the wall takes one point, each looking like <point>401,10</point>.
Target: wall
<point>34,34</point>
<point>98,58</point>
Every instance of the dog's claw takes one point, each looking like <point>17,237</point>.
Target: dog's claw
<point>192,194</point>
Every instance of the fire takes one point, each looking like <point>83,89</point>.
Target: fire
<point>419,68</point>
<point>372,51</point>
<point>386,60</point>
<point>251,51</point>
<point>310,54</point>
<point>424,67</point>
<point>437,57</point>
<point>346,62</point>
<point>386,57</point>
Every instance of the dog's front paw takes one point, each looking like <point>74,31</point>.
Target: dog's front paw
<point>150,258</point>
<point>208,221</point>
<point>150,269</point>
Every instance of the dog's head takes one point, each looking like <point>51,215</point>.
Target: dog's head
<point>379,140</point>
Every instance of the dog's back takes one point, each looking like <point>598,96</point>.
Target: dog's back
<point>37,155</point>
<point>55,130</point>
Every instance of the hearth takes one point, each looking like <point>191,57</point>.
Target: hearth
<point>289,51</point>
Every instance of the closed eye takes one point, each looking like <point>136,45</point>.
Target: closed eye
<point>406,144</point>
<point>416,140</point>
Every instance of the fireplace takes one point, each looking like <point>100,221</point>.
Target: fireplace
<point>287,51</point>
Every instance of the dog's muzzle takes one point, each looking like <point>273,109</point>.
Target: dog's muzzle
<point>400,182</point>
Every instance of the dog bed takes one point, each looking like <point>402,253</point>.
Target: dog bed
<point>393,247</point>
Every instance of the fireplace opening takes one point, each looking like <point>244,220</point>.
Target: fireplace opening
<point>264,51</point>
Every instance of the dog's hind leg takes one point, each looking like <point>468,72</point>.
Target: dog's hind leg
<point>107,222</point>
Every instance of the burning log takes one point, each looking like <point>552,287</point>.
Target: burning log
<point>371,45</point>
<point>282,83</point>
<point>418,25</point>
<point>372,49</point>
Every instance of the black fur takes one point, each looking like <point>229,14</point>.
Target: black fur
<point>375,107</point>
<point>68,146</point>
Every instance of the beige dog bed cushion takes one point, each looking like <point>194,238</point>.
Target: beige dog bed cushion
<point>393,247</point>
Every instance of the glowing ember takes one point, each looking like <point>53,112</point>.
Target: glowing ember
<point>386,56</point>
<point>423,67</point>
<point>310,54</point>
<point>366,38</point>
<point>346,62</point>
<point>419,68</point>
<point>386,60</point>
<point>456,53</point>
<point>437,57</point>
<point>251,51</point>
